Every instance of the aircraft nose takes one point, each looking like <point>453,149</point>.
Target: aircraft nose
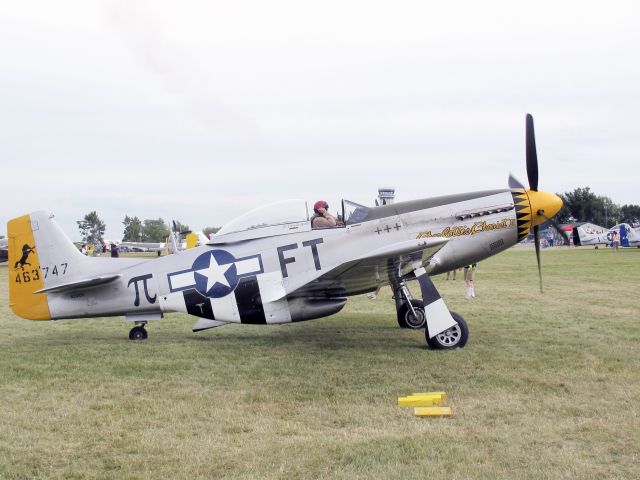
<point>544,205</point>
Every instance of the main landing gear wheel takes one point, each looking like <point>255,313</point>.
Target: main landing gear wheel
<point>454,337</point>
<point>138,333</point>
<point>406,317</point>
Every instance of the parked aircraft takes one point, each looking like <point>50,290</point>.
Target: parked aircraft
<point>269,266</point>
<point>4,249</point>
<point>176,242</point>
<point>143,246</point>
<point>625,233</point>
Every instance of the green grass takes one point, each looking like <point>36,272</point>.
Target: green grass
<point>547,387</point>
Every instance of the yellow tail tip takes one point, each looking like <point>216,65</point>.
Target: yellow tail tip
<point>25,274</point>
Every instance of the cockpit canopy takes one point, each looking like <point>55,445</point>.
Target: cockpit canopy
<point>353,212</point>
<point>283,217</point>
<point>281,213</point>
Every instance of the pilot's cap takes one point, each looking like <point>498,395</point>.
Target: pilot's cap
<point>320,204</point>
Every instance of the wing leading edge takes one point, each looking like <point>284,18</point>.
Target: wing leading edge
<point>373,269</point>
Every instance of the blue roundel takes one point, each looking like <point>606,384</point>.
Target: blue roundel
<point>215,273</point>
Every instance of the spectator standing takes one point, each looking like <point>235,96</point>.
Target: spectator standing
<point>615,243</point>
<point>468,278</point>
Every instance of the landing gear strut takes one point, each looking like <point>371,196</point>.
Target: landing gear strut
<point>410,310</point>
<point>138,332</point>
<point>411,315</point>
<point>448,329</point>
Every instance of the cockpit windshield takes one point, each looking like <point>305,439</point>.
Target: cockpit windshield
<point>354,212</point>
<point>278,213</point>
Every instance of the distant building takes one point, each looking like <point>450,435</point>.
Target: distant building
<point>386,195</point>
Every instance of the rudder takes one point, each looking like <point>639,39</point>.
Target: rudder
<point>624,236</point>
<point>25,273</point>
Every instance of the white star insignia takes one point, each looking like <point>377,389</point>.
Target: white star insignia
<point>215,273</point>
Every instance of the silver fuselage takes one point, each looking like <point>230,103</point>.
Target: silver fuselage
<point>279,269</point>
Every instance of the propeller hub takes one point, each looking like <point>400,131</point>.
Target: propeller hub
<point>543,204</point>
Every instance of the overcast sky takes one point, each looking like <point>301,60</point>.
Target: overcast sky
<point>200,111</point>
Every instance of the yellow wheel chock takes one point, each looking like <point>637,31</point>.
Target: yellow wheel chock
<point>427,404</point>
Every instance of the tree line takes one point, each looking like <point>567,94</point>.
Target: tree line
<point>135,230</point>
<point>583,205</point>
<point>580,205</point>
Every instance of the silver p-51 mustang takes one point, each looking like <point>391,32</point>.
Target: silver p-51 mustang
<point>269,266</point>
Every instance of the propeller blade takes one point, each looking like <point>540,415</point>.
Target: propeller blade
<point>556,227</point>
<point>532,156</point>
<point>515,183</point>
<point>536,237</point>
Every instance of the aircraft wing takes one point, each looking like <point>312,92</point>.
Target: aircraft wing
<point>145,246</point>
<point>372,270</point>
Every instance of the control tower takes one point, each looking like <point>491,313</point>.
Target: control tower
<point>386,195</point>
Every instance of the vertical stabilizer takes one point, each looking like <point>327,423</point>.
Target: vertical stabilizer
<point>25,272</point>
<point>576,237</point>
<point>41,256</point>
<point>624,235</point>
<point>54,248</point>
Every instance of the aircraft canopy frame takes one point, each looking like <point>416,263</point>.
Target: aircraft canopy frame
<point>353,212</point>
<point>282,213</point>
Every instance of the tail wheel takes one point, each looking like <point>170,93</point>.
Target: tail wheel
<point>406,318</point>
<point>138,333</point>
<point>454,337</point>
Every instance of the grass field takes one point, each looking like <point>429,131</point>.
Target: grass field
<point>548,387</point>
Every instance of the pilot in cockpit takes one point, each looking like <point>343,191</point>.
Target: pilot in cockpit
<point>321,217</point>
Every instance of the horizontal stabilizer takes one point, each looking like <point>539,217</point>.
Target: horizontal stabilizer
<point>86,283</point>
